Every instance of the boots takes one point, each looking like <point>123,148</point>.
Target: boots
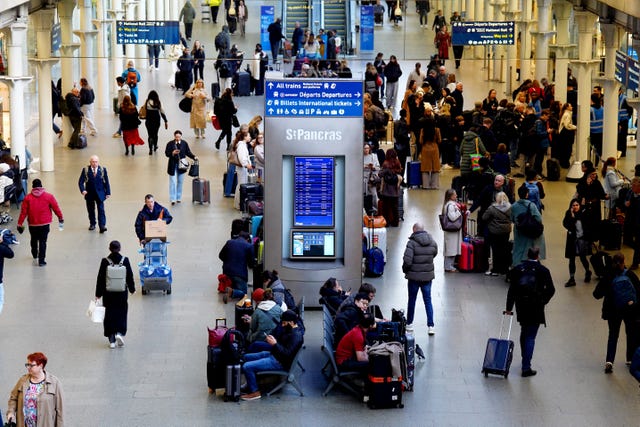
<point>133,150</point>
<point>126,152</point>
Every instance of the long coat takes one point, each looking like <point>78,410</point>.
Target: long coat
<point>452,239</point>
<point>430,154</point>
<point>115,303</point>
<point>198,117</point>
<point>49,401</point>
<point>521,244</point>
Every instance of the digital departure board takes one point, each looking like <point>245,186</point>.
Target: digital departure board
<point>313,244</point>
<point>313,204</point>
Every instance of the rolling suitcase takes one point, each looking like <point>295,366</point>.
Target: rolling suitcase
<point>465,262</point>
<point>249,192</point>
<point>499,353</point>
<point>480,250</point>
<point>553,170</point>
<point>401,204</point>
<point>287,51</point>
<point>215,90</point>
<point>378,238</point>
<point>229,185</point>
<point>244,84</point>
<point>410,353</point>
<point>381,389</point>
<point>201,191</point>
<point>177,83</point>
<point>215,369</point>
<point>232,383</point>
<point>414,175</point>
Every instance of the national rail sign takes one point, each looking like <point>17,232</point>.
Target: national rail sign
<point>148,32</point>
<point>313,98</point>
<point>478,33</point>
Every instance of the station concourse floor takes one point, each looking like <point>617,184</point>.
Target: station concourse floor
<point>158,378</point>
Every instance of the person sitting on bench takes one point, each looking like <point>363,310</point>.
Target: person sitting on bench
<point>350,353</point>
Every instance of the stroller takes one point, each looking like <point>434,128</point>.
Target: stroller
<point>155,274</point>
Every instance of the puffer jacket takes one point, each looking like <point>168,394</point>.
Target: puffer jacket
<point>37,207</point>
<point>498,219</point>
<point>468,146</point>
<point>418,258</point>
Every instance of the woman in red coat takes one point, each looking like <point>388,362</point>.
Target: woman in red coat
<point>129,123</point>
<point>443,42</point>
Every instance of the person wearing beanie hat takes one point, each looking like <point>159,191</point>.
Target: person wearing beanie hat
<point>284,344</point>
<point>5,252</point>
<point>37,208</point>
<point>266,317</point>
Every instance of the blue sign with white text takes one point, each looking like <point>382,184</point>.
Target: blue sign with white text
<point>366,28</point>
<point>148,32</point>
<point>483,33</point>
<point>313,98</point>
<point>633,74</point>
<point>621,67</point>
<point>267,16</point>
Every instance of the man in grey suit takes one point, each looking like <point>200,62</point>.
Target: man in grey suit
<point>94,186</point>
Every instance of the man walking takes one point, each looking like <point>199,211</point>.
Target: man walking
<point>36,208</point>
<point>275,38</point>
<point>531,289</point>
<point>94,186</point>
<point>418,269</point>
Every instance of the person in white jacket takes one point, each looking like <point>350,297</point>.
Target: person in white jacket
<point>242,150</point>
<point>611,183</point>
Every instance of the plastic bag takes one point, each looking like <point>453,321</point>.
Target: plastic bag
<point>96,311</point>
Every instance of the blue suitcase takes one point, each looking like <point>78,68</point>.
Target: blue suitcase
<point>414,175</point>
<point>499,353</point>
<point>244,84</point>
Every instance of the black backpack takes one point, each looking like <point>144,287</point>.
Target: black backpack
<point>287,297</point>
<point>232,346</point>
<point>528,225</point>
<point>528,291</point>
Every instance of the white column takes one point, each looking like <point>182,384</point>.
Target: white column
<point>43,21</point>
<point>141,49</point>
<point>174,9</point>
<point>117,64</point>
<point>610,88</point>
<point>525,25</point>
<point>562,47</point>
<point>87,35</point>
<point>103,82</point>
<point>67,51</point>
<point>478,51</point>
<point>511,13</point>
<point>584,66</point>
<point>17,81</point>
<point>130,15</point>
<point>499,51</point>
<point>151,10</point>
<point>542,39</point>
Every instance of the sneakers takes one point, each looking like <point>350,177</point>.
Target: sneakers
<point>571,282</point>
<point>251,396</point>
<point>431,330</point>
<point>447,167</point>
<point>587,277</point>
<point>120,340</point>
<point>529,373</point>
<point>487,273</point>
<point>117,135</point>
<point>608,368</point>
<point>112,345</point>
<point>42,263</point>
<point>450,270</point>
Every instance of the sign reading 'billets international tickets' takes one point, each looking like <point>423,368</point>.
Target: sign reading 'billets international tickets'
<point>627,71</point>
<point>313,98</point>
<point>483,33</point>
<point>148,32</point>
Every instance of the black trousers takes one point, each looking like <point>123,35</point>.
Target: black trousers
<point>39,234</point>
<point>188,29</point>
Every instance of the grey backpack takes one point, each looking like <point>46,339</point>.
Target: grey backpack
<point>116,277</point>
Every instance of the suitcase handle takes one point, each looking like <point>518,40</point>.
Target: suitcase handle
<point>219,320</point>
<point>510,316</point>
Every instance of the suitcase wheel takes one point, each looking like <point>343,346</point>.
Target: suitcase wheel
<point>506,374</point>
<point>168,292</point>
<point>486,374</point>
<point>144,291</point>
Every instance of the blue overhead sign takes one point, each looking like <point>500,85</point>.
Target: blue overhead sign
<point>621,67</point>
<point>366,28</point>
<point>148,32</point>
<point>313,98</point>
<point>627,71</point>
<point>483,33</point>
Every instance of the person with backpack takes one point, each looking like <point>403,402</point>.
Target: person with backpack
<point>132,78</point>
<point>115,278</point>
<point>94,186</point>
<point>266,316</point>
<point>619,289</point>
<point>527,222</point>
<point>418,269</point>
<point>185,70</point>
<point>531,288</point>
<point>535,187</point>
<point>223,40</point>
<point>390,179</point>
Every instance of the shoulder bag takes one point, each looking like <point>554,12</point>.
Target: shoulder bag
<point>235,122</point>
<point>448,225</point>
<point>185,104</point>
<point>142,114</point>
<point>475,158</point>
<point>233,158</point>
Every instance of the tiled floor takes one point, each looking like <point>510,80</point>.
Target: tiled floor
<point>158,378</point>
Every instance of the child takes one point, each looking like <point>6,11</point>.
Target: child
<point>501,162</point>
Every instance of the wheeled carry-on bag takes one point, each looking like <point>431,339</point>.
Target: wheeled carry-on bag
<point>381,389</point>
<point>215,369</point>
<point>249,192</point>
<point>414,175</point>
<point>499,353</point>
<point>232,383</point>
<point>244,83</point>
<point>201,191</point>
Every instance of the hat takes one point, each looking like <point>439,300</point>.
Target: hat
<point>36,183</point>
<point>258,295</point>
<point>289,316</point>
<point>8,237</point>
<point>4,168</point>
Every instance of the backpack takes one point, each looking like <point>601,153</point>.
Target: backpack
<point>224,69</point>
<point>623,290</point>
<point>116,277</point>
<point>63,106</point>
<point>287,297</point>
<point>221,42</point>
<point>132,79</point>
<point>232,346</point>
<point>391,179</point>
<point>374,262</point>
<point>528,225</point>
<point>528,291</point>
<point>534,194</point>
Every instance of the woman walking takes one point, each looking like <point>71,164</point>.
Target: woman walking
<point>452,239</point>
<point>390,180</point>
<point>129,123</point>
<point>87,98</point>
<point>498,219</point>
<point>198,60</point>
<point>176,150</point>
<point>443,43</point>
<point>115,278</point>
<point>576,244</point>
<point>154,113</point>
<point>198,116</point>
<point>225,109</point>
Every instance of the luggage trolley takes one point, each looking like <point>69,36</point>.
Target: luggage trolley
<point>155,273</point>
<point>205,12</point>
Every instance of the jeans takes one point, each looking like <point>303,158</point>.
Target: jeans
<point>257,362</point>
<point>175,186</point>
<point>1,296</point>
<point>39,235</point>
<point>239,286</point>
<point>414,287</point>
<point>87,119</point>
<point>275,48</point>
<point>527,343</point>
<point>92,203</point>
<point>154,55</point>
<point>614,331</point>
<point>391,94</point>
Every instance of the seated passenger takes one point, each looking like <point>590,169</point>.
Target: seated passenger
<point>350,316</point>
<point>283,350</point>
<point>6,178</point>
<point>266,317</point>
<point>333,295</point>
<point>281,294</point>
<point>366,288</point>
<point>350,353</point>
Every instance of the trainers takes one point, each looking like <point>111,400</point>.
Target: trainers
<point>431,330</point>
<point>117,135</point>
<point>487,273</point>
<point>251,396</point>
<point>42,263</point>
<point>571,282</point>
<point>120,340</point>
<point>447,167</point>
<point>587,277</point>
<point>112,345</point>
<point>628,363</point>
<point>608,368</point>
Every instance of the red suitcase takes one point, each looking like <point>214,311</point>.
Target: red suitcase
<point>465,263</point>
<point>480,250</point>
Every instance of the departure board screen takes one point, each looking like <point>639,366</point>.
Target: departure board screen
<point>313,204</point>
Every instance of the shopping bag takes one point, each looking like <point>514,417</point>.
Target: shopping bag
<point>96,311</point>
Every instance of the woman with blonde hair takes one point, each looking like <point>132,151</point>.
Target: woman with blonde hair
<point>452,239</point>
<point>254,126</point>
<point>198,116</point>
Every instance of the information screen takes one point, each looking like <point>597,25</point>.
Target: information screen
<point>313,244</point>
<point>313,204</point>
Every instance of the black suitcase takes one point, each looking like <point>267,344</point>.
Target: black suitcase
<point>244,84</point>
<point>201,191</point>
<point>248,192</point>
<point>215,90</point>
<point>553,170</point>
<point>80,143</point>
<point>231,190</point>
<point>215,368</point>
<point>232,383</point>
<point>257,271</point>
<point>499,353</point>
<point>381,389</point>
<point>610,234</point>
<point>176,80</point>
<point>601,262</point>
<point>240,324</point>
<point>410,354</point>
<point>401,204</point>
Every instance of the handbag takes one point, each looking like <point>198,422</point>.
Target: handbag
<point>233,158</point>
<point>142,114</point>
<point>216,334</point>
<point>183,164</point>
<point>96,311</point>
<point>185,104</point>
<point>194,170</point>
<point>235,122</point>
<point>215,122</point>
<point>374,221</point>
<point>374,179</point>
<point>448,225</point>
<point>475,159</point>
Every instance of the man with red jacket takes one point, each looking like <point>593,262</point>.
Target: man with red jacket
<point>36,208</point>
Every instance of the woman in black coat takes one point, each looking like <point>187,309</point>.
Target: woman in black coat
<point>590,193</point>
<point>225,109</point>
<point>152,120</point>
<point>332,294</point>
<point>115,302</point>
<point>576,245</point>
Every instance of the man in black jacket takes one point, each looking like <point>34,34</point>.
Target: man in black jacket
<point>283,350</point>
<point>185,67</point>
<point>349,316</point>
<point>75,116</point>
<point>531,289</point>
<point>275,38</point>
